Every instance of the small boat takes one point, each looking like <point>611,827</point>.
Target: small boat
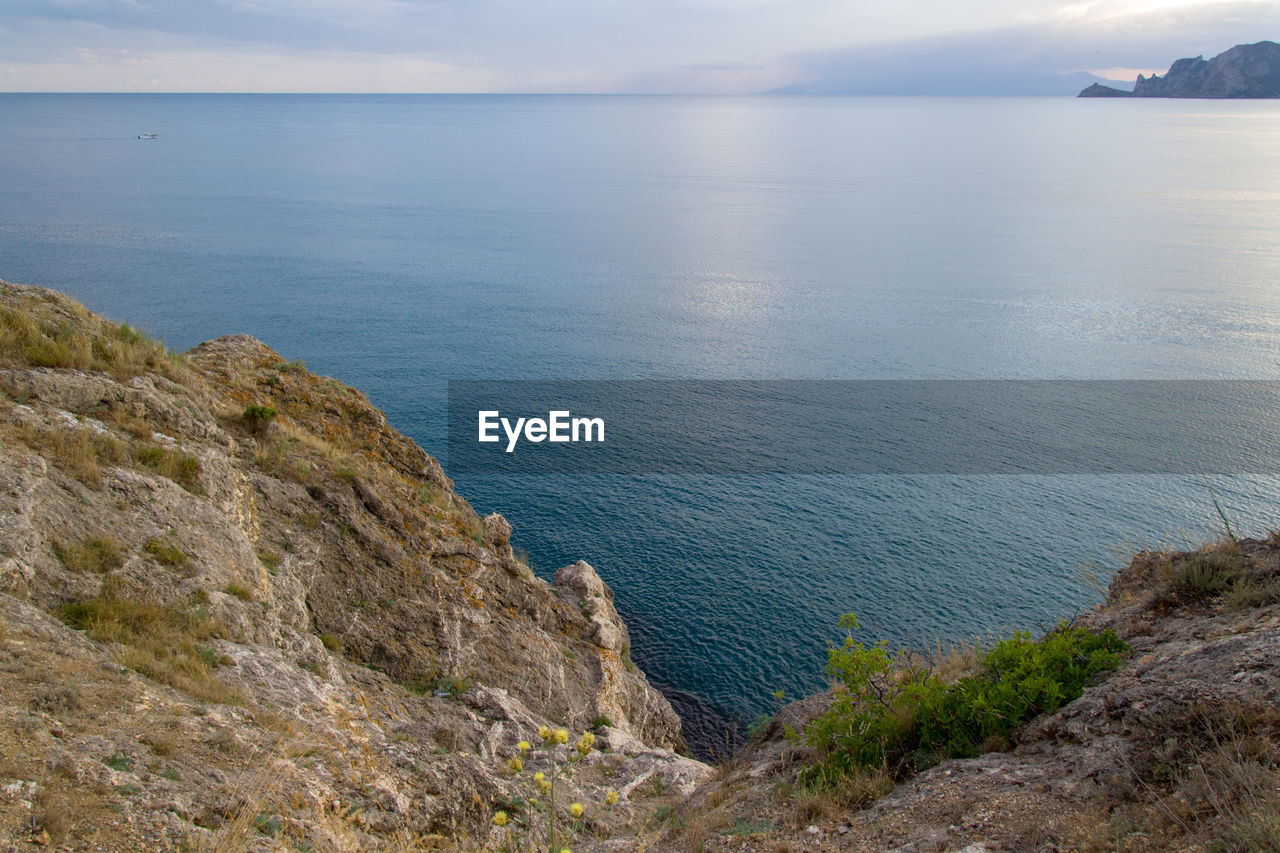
<point>148,136</point>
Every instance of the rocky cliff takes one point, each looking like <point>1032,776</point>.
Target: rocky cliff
<point>1244,71</point>
<point>237,608</point>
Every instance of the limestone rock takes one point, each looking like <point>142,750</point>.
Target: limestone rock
<point>301,621</point>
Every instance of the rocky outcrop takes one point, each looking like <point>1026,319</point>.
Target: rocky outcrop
<point>1097,90</point>
<point>237,608</point>
<point>1244,71</point>
<point>1176,750</point>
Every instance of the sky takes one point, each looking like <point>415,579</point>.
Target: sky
<point>607,46</point>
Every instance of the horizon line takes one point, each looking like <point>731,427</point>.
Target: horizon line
<point>767,93</point>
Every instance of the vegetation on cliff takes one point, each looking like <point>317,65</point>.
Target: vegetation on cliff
<point>893,712</point>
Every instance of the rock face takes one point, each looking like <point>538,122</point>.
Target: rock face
<point>1244,71</point>
<point>229,589</point>
<point>1097,90</point>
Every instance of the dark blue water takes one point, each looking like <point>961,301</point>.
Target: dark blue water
<point>398,242</point>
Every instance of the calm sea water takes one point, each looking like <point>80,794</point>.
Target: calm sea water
<point>397,242</point>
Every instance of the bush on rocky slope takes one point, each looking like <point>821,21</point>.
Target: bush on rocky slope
<point>891,711</point>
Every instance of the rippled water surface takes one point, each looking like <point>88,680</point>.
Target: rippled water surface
<point>398,242</point>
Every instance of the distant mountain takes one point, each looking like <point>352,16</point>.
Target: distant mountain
<point>891,80</point>
<point>1244,71</point>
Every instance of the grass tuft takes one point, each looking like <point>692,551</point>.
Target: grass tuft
<point>80,453</point>
<point>159,641</point>
<point>99,555</point>
<point>240,591</point>
<point>181,468</point>
<point>164,553</point>
<point>57,332</point>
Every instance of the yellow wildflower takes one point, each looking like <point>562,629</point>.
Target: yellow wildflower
<point>544,786</point>
<point>523,746</point>
<point>610,797</point>
<point>562,735</point>
<point>500,819</point>
<point>539,776</point>
<point>544,733</point>
<point>585,743</point>
<point>516,764</point>
<point>576,809</point>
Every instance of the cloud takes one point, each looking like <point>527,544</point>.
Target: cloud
<point>1036,58</point>
<point>257,71</point>
<point>600,45</point>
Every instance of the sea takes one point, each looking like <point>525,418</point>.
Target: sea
<point>400,242</point>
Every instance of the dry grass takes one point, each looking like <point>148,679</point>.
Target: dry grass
<point>824,803</point>
<point>1234,788</point>
<point>82,453</point>
<point>1248,593</point>
<point>1212,782</point>
<point>238,590</point>
<point>53,813</point>
<point>79,453</point>
<point>44,329</point>
<point>1226,789</point>
<point>100,555</point>
<point>271,804</point>
<point>952,662</point>
<point>281,459</point>
<point>1208,572</point>
<point>137,427</point>
<point>159,641</point>
<point>1233,575</point>
<point>180,467</point>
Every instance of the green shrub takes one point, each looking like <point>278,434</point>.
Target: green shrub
<point>164,553</point>
<point>257,418</point>
<point>625,654</point>
<point>892,712</point>
<point>757,727</point>
<point>267,825</point>
<point>451,685</point>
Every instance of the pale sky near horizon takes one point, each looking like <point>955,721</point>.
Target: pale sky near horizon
<point>713,46</point>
